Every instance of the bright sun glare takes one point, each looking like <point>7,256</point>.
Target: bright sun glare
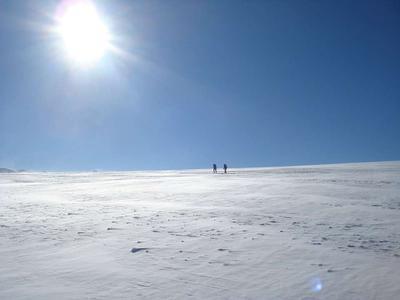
<point>86,38</point>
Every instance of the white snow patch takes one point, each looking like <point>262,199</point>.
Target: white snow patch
<point>310,232</point>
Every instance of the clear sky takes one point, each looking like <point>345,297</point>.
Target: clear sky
<point>249,83</point>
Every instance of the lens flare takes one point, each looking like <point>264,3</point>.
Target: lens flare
<point>316,285</point>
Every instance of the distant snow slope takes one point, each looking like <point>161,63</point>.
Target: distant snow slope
<point>312,232</point>
<point>5,170</point>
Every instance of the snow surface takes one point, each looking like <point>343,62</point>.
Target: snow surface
<point>312,232</point>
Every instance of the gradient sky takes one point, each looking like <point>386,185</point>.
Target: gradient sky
<point>249,83</point>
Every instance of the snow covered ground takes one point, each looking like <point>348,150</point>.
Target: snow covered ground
<point>312,232</point>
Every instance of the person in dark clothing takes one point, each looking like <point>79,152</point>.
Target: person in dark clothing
<point>214,168</point>
<point>225,168</point>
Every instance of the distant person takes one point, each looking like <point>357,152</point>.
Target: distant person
<point>225,168</point>
<point>214,168</point>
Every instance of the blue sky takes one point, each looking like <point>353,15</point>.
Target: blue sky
<point>249,83</point>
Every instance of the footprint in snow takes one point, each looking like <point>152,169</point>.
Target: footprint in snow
<point>113,228</point>
<point>134,250</point>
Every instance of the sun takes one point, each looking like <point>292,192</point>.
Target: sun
<point>84,35</point>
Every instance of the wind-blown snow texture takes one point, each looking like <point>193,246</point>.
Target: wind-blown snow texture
<point>313,232</point>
